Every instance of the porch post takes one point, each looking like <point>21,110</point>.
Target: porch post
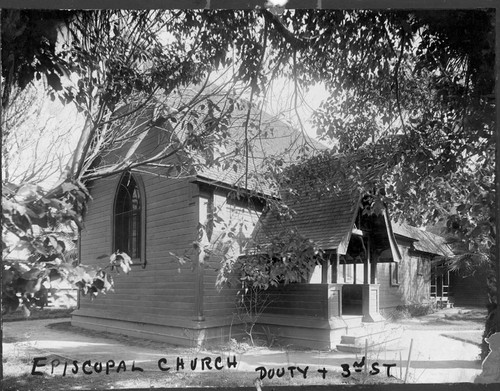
<point>370,303</point>
<point>334,300</point>
<point>326,270</point>
<point>355,267</point>
<point>373,277</point>
<point>335,260</point>
<point>366,266</point>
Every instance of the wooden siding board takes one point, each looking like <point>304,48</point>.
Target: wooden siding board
<point>145,306</point>
<point>414,284</point>
<point>222,303</point>
<point>144,290</point>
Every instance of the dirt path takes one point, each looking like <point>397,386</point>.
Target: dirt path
<point>444,349</point>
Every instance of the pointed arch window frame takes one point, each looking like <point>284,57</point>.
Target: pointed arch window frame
<point>138,259</point>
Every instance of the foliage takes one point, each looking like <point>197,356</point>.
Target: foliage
<point>250,305</point>
<point>258,265</point>
<point>126,73</point>
<point>420,123</point>
<point>29,42</point>
<point>120,66</point>
<point>32,220</point>
<point>281,258</point>
<point>415,101</point>
<point>247,261</point>
<point>408,94</point>
<point>412,310</point>
<point>32,144</point>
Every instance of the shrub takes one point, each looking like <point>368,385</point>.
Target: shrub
<point>419,309</point>
<point>412,310</point>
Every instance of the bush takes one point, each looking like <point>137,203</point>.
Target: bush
<point>412,310</point>
<point>419,309</point>
<point>399,313</point>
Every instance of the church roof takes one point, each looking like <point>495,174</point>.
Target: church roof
<point>423,241</point>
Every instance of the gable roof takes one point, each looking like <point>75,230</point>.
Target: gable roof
<point>327,221</point>
<point>327,218</point>
<point>242,127</point>
<point>423,241</point>
<point>155,132</point>
<point>271,139</point>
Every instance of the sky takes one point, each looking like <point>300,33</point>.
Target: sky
<point>48,138</point>
<point>49,135</point>
<point>43,139</point>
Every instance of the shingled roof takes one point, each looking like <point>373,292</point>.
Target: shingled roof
<point>271,139</point>
<point>327,221</point>
<point>327,218</point>
<point>423,241</point>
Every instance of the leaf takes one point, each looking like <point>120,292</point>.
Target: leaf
<point>108,282</point>
<point>68,187</point>
<point>98,283</point>
<point>26,311</point>
<point>53,241</point>
<point>55,274</point>
<point>27,192</point>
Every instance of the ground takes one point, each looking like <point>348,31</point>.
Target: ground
<point>444,348</point>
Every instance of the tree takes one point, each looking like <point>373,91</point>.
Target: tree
<point>31,218</point>
<point>403,85</point>
<point>35,137</point>
<point>128,72</point>
<point>112,67</point>
<point>412,110</point>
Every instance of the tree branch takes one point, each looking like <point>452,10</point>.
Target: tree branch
<point>396,80</point>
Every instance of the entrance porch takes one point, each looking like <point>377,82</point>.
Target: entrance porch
<point>342,294</point>
<point>312,314</point>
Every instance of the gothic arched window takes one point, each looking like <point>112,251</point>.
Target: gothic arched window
<point>129,219</point>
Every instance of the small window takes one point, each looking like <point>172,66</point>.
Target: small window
<point>207,212</point>
<point>420,267</point>
<point>129,219</point>
<point>394,270</point>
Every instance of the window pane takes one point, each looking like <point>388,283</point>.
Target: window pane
<point>136,199</point>
<point>134,235</point>
<point>128,218</point>
<point>121,233</point>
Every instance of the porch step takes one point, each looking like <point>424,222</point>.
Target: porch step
<point>366,328</point>
<point>355,342</point>
<point>352,321</point>
<point>348,348</point>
